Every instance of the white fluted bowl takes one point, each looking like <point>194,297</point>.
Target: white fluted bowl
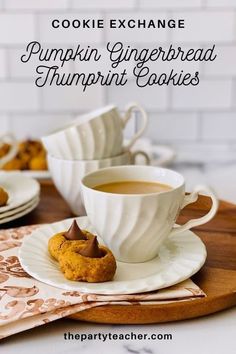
<point>94,136</point>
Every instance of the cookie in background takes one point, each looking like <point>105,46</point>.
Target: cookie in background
<point>30,155</point>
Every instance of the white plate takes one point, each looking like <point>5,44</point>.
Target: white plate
<point>21,213</point>
<point>30,173</point>
<point>179,258</point>
<point>36,174</point>
<point>19,209</point>
<point>21,189</point>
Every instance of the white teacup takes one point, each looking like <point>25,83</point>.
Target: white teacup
<point>67,174</point>
<point>96,135</point>
<point>10,139</point>
<point>135,225</point>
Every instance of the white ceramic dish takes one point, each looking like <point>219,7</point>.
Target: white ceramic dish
<point>179,258</point>
<point>21,213</point>
<point>19,209</point>
<point>36,174</point>
<point>21,189</point>
<point>95,135</point>
<point>31,174</point>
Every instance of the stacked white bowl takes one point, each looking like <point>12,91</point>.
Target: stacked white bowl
<point>91,142</point>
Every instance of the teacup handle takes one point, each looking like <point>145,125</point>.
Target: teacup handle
<point>140,153</point>
<point>13,150</point>
<point>128,115</point>
<point>191,198</point>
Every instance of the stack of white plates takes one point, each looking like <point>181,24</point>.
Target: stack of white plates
<point>23,196</point>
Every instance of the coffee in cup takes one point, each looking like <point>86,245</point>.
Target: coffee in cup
<point>133,187</point>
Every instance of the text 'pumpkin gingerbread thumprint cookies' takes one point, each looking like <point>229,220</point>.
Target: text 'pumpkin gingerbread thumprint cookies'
<point>80,256</point>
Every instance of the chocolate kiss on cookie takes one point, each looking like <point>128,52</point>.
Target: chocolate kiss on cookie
<point>91,249</point>
<point>74,233</point>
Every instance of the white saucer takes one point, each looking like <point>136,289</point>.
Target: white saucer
<point>14,211</point>
<point>24,210</point>
<point>37,174</point>
<point>179,258</point>
<point>21,190</point>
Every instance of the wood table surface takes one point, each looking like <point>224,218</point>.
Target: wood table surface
<point>217,278</point>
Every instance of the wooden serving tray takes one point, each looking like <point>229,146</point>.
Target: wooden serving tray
<point>217,278</point>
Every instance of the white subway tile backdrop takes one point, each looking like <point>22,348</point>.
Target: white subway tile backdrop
<point>2,63</point>
<point>222,122</point>
<point>204,115</point>
<point>221,3</point>
<point>36,5</point>
<point>103,4</point>
<point>4,119</point>
<point>206,26</point>
<point>19,97</point>
<point>165,127</point>
<point>49,122</point>
<point>209,94</point>
<point>71,98</point>
<point>16,28</point>
<point>224,65</point>
<point>170,4</point>
<point>152,97</point>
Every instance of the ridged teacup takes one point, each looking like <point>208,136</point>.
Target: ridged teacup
<point>134,226</point>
